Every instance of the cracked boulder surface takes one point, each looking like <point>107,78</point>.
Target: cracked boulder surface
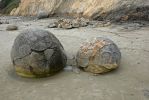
<point>37,53</point>
<point>99,55</point>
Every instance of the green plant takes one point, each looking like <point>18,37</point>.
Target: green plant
<point>8,5</point>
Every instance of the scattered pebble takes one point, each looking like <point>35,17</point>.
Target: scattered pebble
<point>69,23</point>
<point>52,25</point>
<point>11,27</point>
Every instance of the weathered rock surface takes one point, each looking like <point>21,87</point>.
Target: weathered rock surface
<point>37,53</point>
<point>99,55</point>
<point>96,9</point>
<point>69,23</point>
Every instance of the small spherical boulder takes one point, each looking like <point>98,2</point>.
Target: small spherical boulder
<point>37,53</point>
<point>99,55</point>
<point>11,27</point>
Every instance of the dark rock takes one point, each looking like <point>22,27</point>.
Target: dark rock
<point>37,53</point>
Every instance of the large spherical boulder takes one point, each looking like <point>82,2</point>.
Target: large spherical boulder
<point>99,55</point>
<point>37,53</point>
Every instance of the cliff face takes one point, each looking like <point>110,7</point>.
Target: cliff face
<point>97,9</point>
<point>84,7</point>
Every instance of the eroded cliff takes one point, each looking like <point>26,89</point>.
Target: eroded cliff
<point>96,9</point>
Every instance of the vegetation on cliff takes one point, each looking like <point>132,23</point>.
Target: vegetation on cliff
<point>6,6</point>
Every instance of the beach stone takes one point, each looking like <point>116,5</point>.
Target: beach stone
<point>99,55</point>
<point>37,53</point>
<point>11,27</point>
